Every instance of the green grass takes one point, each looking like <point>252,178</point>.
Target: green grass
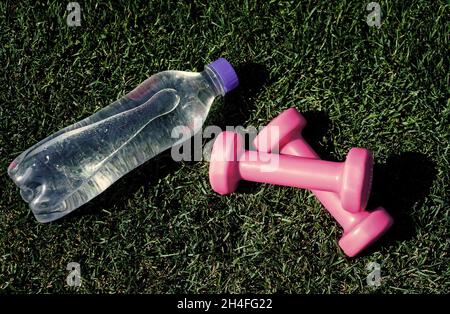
<point>161,228</point>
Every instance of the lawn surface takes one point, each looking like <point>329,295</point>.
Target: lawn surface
<point>161,228</point>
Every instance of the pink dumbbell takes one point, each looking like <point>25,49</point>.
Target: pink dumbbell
<point>350,179</point>
<point>360,229</point>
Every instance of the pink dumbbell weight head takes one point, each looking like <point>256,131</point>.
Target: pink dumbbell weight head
<point>230,163</point>
<point>361,228</point>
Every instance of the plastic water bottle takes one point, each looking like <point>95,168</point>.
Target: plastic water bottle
<point>69,168</point>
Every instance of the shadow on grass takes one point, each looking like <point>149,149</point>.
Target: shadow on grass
<point>318,124</point>
<point>239,103</point>
<point>399,185</point>
<point>236,110</point>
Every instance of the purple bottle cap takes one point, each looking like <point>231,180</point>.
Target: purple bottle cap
<point>226,74</point>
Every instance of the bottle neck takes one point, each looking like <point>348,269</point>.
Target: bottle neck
<point>214,81</point>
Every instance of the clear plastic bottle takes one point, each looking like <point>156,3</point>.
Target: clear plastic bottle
<point>72,166</point>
